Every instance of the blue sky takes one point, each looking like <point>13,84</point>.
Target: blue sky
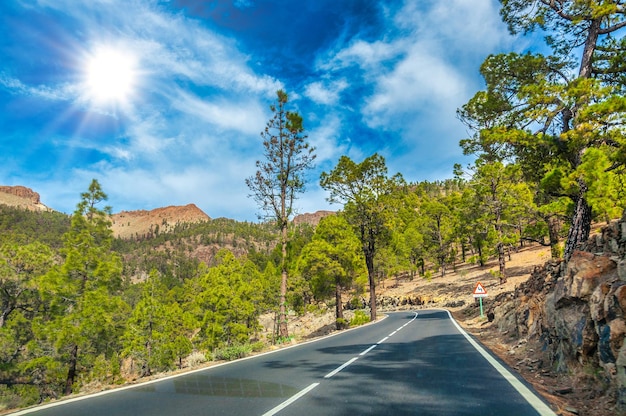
<point>177,118</point>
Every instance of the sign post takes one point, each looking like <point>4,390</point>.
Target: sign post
<point>480,293</point>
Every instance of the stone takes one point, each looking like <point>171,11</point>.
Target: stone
<point>620,378</point>
<point>618,334</point>
<point>620,297</point>
<point>621,269</point>
<point>585,272</point>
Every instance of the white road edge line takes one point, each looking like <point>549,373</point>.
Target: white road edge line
<point>368,350</point>
<point>290,400</point>
<point>341,367</point>
<point>382,340</point>
<point>64,401</point>
<point>529,396</point>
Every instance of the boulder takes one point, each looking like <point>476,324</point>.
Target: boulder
<point>584,272</point>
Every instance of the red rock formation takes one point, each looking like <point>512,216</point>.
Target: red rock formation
<point>22,197</point>
<point>22,192</point>
<point>142,223</point>
<point>311,219</point>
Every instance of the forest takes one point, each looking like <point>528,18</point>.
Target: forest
<point>80,308</point>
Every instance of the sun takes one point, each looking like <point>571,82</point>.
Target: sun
<point>110,75</point>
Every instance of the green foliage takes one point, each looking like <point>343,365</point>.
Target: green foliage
<point>368,197</point>
<point>574,101</point>
<point>233,352</point>
<point>85,314</point>
<point>359,318</point>
<point>341,323</point>
<point>280,178</point>
<point>23,226</point>
<point>226,302</point>
<point>157,332</point>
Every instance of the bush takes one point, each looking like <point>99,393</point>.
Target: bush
<point>360,318</point>
<point>195,358</point>
<point>232,353</point>
<point>341,323</point>
<point>258,346</point>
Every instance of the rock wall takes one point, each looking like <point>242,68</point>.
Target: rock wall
<point>21,196</point>
<point>22,192</point>
<point>128,224</point>
<point>576,311</point>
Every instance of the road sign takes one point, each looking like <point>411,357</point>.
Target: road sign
<point>479,291</point>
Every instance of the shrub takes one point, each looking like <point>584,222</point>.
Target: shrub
<point>195,358</point>
<point>360,318</point>
<point>341,323</point>
<point>232,353</point>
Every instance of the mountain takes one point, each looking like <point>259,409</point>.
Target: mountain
<point>138,223</point>
<point>23,197</point>
<point>143,223</point>
<point>311,219</point>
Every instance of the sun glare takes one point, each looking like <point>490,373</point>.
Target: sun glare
<point>110,75</point>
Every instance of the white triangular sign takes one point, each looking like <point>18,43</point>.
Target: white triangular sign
<point>479,289</point>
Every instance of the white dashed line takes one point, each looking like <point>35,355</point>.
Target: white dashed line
<point>331,374</point>
<point>290,400</point>
<point>341,367</point>
<point>368,350</point>
<point>382,340</point>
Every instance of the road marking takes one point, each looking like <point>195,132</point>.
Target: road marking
<point>290,400</point>
<point>331,374</point>
<point>368,350</point>
<point>341,367</point>
<point>529,396</point>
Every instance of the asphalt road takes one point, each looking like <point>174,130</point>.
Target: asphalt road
<point>411,363</point>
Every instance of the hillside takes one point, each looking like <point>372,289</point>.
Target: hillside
<point>142,223</point>
<point>23,197</point>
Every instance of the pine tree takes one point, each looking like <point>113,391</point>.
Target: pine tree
<point>280,177</point>
<point>85,314</point>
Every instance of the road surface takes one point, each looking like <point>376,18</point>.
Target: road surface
<point>411,363</point>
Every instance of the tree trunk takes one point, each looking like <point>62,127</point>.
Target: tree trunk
<point>283,330</point>
<point>501,263</point>
<point>553,231</point>
<point>590,47</point>
<point>338,307</point>
<point>581,223</point>
<point>479,248</point>
<point>5,314</point>
<point>71,373</point>
<point>369,261</point>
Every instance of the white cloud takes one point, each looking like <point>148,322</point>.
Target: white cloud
<point>326,93</point>
<point>366,55</point>
<point>243,116</point>
<point>422,80</point>
<point>458,25</point>
<point>62,92</point>
<point>327,139</point>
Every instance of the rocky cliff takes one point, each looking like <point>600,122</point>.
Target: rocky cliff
<point>574,314</point>
<point>21,196</point>
<point>311,219</point>
<point>143,223</point>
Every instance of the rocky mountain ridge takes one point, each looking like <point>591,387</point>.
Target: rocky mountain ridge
<point>137,223</point>
<point>140,223</point>
<point>23,197</point>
